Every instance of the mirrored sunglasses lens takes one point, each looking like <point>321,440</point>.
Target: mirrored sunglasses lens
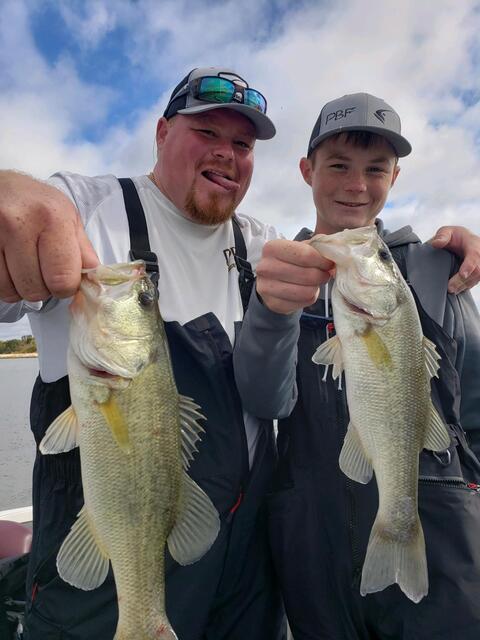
<point>215,90</point>
<point>255,99</point>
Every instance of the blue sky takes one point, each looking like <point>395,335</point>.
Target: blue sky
<point>82,84</point>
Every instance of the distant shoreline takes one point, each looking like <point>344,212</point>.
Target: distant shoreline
<point>18,355</point>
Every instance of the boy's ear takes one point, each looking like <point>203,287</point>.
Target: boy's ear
<point>396,171</point>
<point>306,170</point>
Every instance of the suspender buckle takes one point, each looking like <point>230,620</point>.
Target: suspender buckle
<point>151,263</point>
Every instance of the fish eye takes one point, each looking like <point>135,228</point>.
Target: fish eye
<point>146,299</point>
<point>384,255</point>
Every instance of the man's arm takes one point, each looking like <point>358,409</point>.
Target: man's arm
<point>43,245</point>
<point>288,279</point>
<point>466,245</point>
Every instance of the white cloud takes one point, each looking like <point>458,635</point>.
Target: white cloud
<point>423,58</point>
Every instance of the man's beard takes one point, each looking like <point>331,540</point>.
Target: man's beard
<point>213,213</point>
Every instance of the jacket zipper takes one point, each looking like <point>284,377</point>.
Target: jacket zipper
<point>450,482</point>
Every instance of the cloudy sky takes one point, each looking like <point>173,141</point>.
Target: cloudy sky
<point>82,84</point>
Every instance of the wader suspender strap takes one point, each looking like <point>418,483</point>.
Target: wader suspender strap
<point>140,245</point>
<point>246,277</point>
<point>137,225</point>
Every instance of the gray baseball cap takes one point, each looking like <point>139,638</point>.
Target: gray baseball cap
<point>183,101</point>
<point>359,112</point>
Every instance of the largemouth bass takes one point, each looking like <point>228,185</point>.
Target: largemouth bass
<point>388,366</point>
<point>137,436</point>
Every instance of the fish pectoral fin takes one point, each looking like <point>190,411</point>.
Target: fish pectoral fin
<point>353,461</point>
<point>62,434</point>
<point>197,525</point>
<point>330,352</point>
<point>116,422</point>
<point>80,561</point>
<point>431,357</point>
<point>437,437</point>
<point>190,429</point>
<point>377,350</point>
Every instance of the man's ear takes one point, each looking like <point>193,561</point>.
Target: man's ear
<point>306,170</point>
<point>162,130</point>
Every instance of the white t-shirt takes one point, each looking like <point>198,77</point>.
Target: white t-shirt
<point>195,263</point>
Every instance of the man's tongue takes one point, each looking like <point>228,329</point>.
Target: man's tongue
<point>227,184</point>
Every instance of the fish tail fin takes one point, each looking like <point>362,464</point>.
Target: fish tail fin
<point>391,560</point>
<point>161,630</point>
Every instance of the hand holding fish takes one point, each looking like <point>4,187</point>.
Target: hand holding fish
<point>43,245</point>
<point>289,275</point>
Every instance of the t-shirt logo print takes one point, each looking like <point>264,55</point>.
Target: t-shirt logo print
<point>230,257</point>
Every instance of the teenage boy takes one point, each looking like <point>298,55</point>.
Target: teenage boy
<point>320,520</point>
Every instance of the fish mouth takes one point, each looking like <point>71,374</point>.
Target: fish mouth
<point>357,310</point>
<point>106,375</point>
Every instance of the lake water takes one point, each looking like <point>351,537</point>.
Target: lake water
<point>17,446</point>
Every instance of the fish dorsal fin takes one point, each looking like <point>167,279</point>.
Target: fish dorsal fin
<point>197,525</point>
<point>116,422</point>
<point>431,357</point>
<point>353,461</point>
<point>437,437</point>
<point>80,561</point>
<point>330,352</point>
<point>62,434</point>
<point>190,429</point>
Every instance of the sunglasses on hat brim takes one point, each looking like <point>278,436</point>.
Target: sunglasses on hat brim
<point>214,89</point>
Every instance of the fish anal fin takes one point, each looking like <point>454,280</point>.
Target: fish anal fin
<point>116,422</point>
<point>353,461</point>
<point>197,524</point>
<point>330,352</point>
<point>62,434</point>
<point>80,561</point>
<point>190,429</point>
<point>437,437</point>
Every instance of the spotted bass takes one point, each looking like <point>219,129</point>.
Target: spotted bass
<point>137,436</point>
<point>388,366</point>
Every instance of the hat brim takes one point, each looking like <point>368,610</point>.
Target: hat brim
<point>399,143</point>
<point>264,127</point>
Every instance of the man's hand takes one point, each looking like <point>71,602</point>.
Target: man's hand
<point>43,245</point>
<point>289,275</point>
<point>465,244</point>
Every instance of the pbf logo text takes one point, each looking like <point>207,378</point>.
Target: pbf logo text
<point>338,115</point>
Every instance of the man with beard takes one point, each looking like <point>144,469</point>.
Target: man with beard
<point>181,219</point>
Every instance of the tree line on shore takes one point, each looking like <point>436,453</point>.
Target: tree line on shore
<point>25,344</point>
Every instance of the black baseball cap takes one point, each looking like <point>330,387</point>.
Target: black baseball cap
<point>359,112</point>
<point>182,101</point>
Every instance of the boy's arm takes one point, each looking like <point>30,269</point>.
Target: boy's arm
<point>288,278</point>
<point>265,359</point>
<point>467,335</point>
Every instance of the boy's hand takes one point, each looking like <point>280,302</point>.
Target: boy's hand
<point>465,244</point>
<point>289,275</point>
<point>43,245</point>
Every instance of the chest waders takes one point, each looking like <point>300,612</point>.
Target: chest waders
<point>320,520</point>
<point>230,593</point>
